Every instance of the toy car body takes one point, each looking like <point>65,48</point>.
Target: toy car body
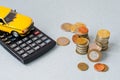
<point>14,23</point>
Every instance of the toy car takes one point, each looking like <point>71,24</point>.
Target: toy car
<point>14,23</point>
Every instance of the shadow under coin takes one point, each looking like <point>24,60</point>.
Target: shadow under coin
<point>105,54</point>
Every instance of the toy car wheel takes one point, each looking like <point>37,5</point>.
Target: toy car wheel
<point>15,34</point>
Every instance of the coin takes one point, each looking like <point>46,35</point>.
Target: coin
<point>73,28</point>
<point>63,41</point>
<point>81,41</point>
<point>66,26</point>
<point>81,52</point>
<point>83,66</point>
<point>94,46</point>
<point>103,33</point>
<point>104,48</point>
<point>98,43</point>
<point>82,30</point>
<point>74,38</point>
<point>79,24</point>
<point>99,67</point>
<point>103,44</point>
<point>82,45</point>
<point>94,55</point>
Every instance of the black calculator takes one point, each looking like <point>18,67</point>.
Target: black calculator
<point>29,47</point>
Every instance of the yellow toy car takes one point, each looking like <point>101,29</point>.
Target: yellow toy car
<point>13,22</point>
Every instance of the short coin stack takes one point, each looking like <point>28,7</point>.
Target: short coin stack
<point>82,45</point>
<point>102,38</point>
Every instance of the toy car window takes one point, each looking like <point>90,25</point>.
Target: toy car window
<point>10,16</point>
<point>1,21</point>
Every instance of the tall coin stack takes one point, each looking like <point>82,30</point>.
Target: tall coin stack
<point>82,46</point>
<point>102,39</point>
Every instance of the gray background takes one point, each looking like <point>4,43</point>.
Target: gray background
<point>61,62</point>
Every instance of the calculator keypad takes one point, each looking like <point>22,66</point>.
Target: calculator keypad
<point>27,45</point>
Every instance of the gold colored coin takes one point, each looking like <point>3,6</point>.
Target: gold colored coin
<point>103,33</point>
<point>83,66</point>
<point>79,24</point>
<point>63,41</point>
<point>94,55</point>
<point>73,28</point>
<point>66,26</point>
<point>81,41</point>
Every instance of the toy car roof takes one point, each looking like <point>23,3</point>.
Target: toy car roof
<point>4,11</point>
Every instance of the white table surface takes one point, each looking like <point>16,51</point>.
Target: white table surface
<point>61,62</point>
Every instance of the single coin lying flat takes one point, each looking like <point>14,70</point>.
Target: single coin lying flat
<point>94,55</point>
<point>66,27</point>
<point>101,67</point>
<point>94,46</point>
<point>63,41</point>
<point>83,66</point>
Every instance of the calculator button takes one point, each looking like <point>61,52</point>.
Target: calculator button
<point>22,45</point>
<point>26,48</point>
<point>33,44</point>
<point>4,39</point>
<point>30,51</point>
<point>2,36</point>
<point>7,42</point>
<point>44,38</point>
<point>21,52</point>
<point>13,45</point>
<point>36,32</point>
<point>42,44</point>
<point>36,48</point>
<point>9,37</point>
<point>24,55</point>
<point>38,41</point>
<point>13,39</point>
<point>25,39</point>
<point>48,41</point>
<point>19,42</point>
<point>32,28</point>
<point>40,35</point>
<point>30,36</point>
<point>17,48</point>
<point>35,38</point>
<point>28,42</point>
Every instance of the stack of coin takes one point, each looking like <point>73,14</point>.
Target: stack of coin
<point>82,30</point>
<point>82,45</point>
<point>102,39</point>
